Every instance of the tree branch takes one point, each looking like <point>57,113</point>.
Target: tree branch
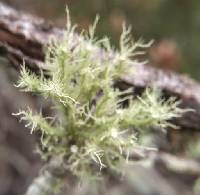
<point>23,36</point>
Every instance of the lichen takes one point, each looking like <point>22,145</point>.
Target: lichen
<point>91,130</point>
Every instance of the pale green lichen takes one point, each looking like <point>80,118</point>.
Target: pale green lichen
<point>91,127</point>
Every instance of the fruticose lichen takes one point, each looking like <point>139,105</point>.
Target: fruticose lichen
<point>91,130</point>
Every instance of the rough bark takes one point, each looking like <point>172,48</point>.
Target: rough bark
<point>23,36</point>
<point>171,176</point>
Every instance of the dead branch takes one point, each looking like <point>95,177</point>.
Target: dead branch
<point>23,36</point>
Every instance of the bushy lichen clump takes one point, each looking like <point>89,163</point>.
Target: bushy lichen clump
<point>91,127</point>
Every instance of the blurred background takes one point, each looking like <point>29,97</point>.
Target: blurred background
<point>173,24</point>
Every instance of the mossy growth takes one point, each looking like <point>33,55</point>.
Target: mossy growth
<point>91,130</point>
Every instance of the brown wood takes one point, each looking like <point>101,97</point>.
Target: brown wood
<point>23,36</point>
